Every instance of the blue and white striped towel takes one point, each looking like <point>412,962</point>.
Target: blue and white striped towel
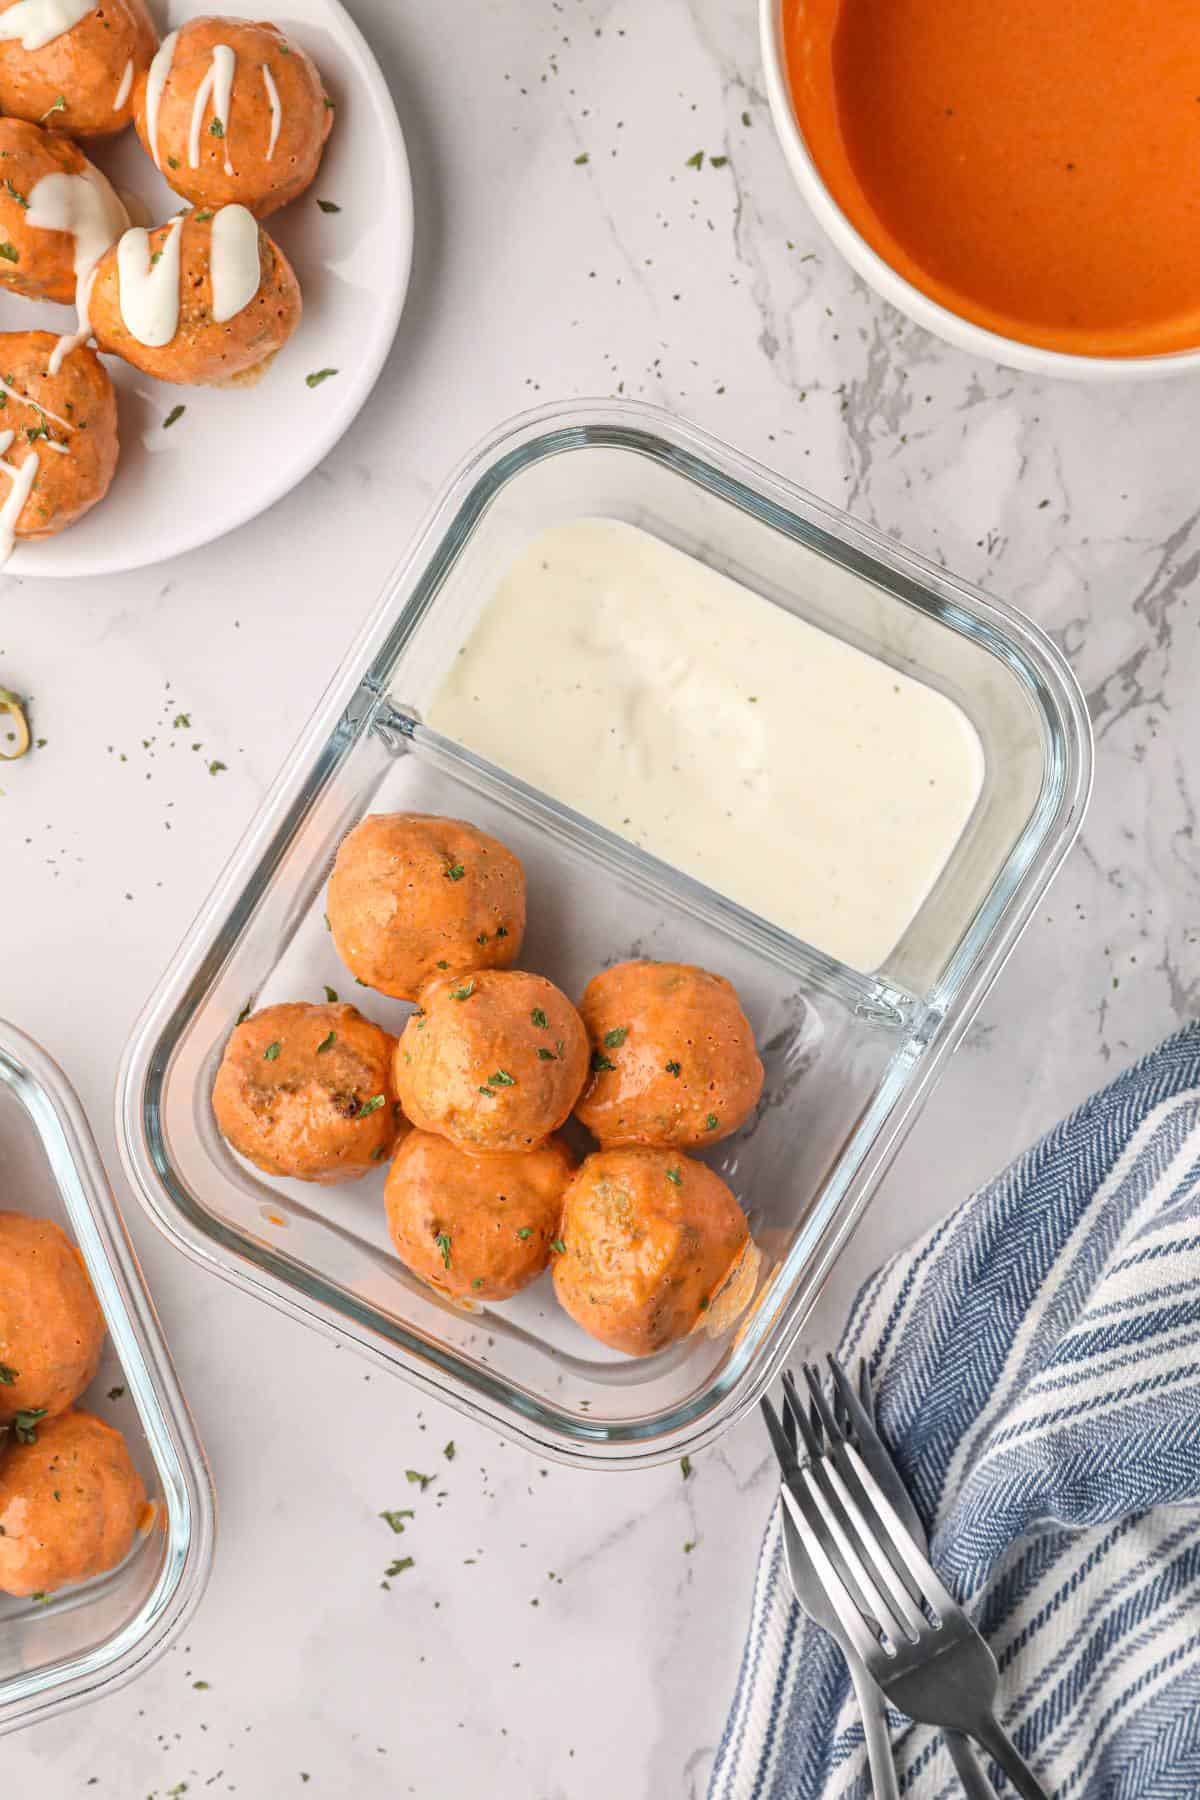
<point>1037,1365</point>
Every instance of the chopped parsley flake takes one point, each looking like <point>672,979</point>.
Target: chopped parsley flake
<point>501,1078</point>
<point>398,1567</point>
<point>328,206</point>
<point>15,193</point>
<point>482,938</point>
<point>674,1068</point>
<point>717,162</point>
<point>443,964</point>
<point>173,417</point>
<point>369,1106</point>
<point>415,1476</point>
<point>172,162</point>
<point>689,1546</point>
<point>327,1043</point>
<point>600,1062</point>
<point>502,931</point>
<point>582,159</point>
<point>616,1037</point>
<point>201,1686</point>
<point>711,1123</point>
<point>25,1422</point>
<point>60,105</point>
<point>396,1516</point>
<point>539,1018</point>
<point>216,129</point>
<point>443,1244</point>
<point>448,1452</point>
<point>525,1231</point>
<point>478,1282</point>
<point>244,1014</point>
<point>204,215</point>
<point>318,376</point>
<point>116,1393</point>
<point>696,161</point>
<point>558,1247</point>
<point>378,1154</point>
<point>9,252</point>
<point>464,992</point>
<point>455,872</point>
<point>7,1375</point>
<point>685,1465</point>
<point>675,1176</point>
<point>271,1053</point>
<point>545,1055</point>
<point>330,994</point>
<point>490,1092</point>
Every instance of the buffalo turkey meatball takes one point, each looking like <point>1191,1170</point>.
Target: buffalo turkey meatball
<point>494,1060</point>
<point>650,1239</point>
<point>72,67</point>
<point>205,300</point>
<point>58,433</point>
<point>51,1326</point>
<point>306,1091</point>
<point>234,111</point>
<point>413,896</point>
<point>71,1502</point>
<point>477,1227</point>
<point>58,214</point>
<point>673,1056</point>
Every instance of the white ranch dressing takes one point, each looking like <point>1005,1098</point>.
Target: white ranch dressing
<point>148,292</point>
<point>814,784</point>
<point>38,22</point>
<point>126,84</point>
<point>21,480</point>
<point>218,81</point>
<point>276,109</point>
<point>156,81</point>
<point>86,208</point>
<point>233,261</point>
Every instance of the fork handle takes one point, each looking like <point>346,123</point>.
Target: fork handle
<point>873,1707</point>
<point>974,1783</point>
<point>1000,1747</point>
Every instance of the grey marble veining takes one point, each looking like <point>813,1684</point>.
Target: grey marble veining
<point>555,1639</point>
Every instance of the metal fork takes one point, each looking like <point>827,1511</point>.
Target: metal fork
<point>908,1629</point>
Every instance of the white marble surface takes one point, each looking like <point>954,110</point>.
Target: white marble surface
<point>553,1639</point>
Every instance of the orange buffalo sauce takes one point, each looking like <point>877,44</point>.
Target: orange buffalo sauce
<point>1033,165</point>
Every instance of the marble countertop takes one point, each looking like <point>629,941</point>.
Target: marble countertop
<point>536,1591</point>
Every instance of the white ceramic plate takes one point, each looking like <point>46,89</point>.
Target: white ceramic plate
<point>236,451</point>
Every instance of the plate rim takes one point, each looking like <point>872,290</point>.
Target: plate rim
<point>127,560</point>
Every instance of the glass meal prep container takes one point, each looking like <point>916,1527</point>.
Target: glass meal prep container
<point>90,1638</point>
<point>849,1057</point>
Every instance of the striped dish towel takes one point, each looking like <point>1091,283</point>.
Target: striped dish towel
<point>1036,1360</point>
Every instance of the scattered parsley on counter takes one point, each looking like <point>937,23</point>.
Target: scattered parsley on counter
<point>369,1106</point>
<point>675,1176</point>
<point>600,1062</point>
<point>443,1243</point>
<point>717,162</point>
<point>448,1452</point>
<point>116,1393</point>
<point>329,206</point>
<point>584,157</point>
<point>217,768</point>
<point>689,1546</point>
<point>330,994</point>
<point>327,1043</point>
<point>173,417</point>
<point>202,1686</point>
<point>398,1567</point>
<point>674,1068</point>
<point>25,1423</point>
<point>685,1464</point>
<point>695,162</point>
<point>271,1053</point>
<point>539,1018</point>
<point>181,722</point>
<point>745,118</point>
<point>463,993</point>
<point>615,1038</point>
<point>318,376</point>
<point>395,1516</point>
<point>415,1475</point>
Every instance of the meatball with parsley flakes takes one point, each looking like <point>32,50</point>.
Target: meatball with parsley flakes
<point>654,1244</point>
<point>66,421</point>
<point>476,1227</point>
<point>673,1056</point>
<point>493,1061</point>
<point>306,1092</point>
<point>80,79</point>
<point>51,1326</point>
<point>413,896</point>
<point>71,1504</point>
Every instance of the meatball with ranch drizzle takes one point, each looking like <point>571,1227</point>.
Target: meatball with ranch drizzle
<point>58,214</point>
<point>72,65</point>
<point>58,435</point>
<point>231,111</point>
<point>204,300</point>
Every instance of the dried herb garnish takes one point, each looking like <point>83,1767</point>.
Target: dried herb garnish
<point>455,872</point>
<point>545,1055</point>
<point>685,1464</point>
<point>539,1018</point>
<point>244,1014</point>
<point>464,992</point>
<point>711,1123</point>
<point>396,1516</point>
<point>674,1068</point>
<point>318,376</point>
<point>443,1243</point>
<point>448,1452</point>
<point>415,1476</point>
<point>25,1423</point>
<point>327,1043</point>
<point>369,1106</point>
<point>600,1062</point>
<point>558,1247</point>
<point>675,1176</point>
<point>616,1037</point>
<point>216,129</point>
<point>271,1053</point>
<point>501,1078</point>
<point>525,1231</point>
<point>398,1567</point>
<point>173,417</point>
<point>7,1375</point>
<point>15,193</point>
<point>60,105</point>
<point>9,252</point>
<point>696,161</point>
<point>328,206</point>
<point>330,994</point>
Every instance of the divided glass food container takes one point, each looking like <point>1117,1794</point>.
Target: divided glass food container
<point>93,1637</point>
<point>849,1057</point>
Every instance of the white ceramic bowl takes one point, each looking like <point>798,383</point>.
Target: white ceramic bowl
<point>901,293</point>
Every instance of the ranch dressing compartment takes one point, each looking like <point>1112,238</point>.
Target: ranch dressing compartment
<point>718,574</point>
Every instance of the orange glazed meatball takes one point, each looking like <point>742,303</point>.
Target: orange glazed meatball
<point>306,1091</point>
<point>203,300</point>
<point>413,896</point>
<point>41,227</point>
<point>477,1227</point>
<point>76,73</point>
<point>51,1326</point>
<point>70,1504</point>
<point>673,1056</point>
<point>495,1060</point>
<point>651,1237</point>
<point>68,421</point>
<point>233,111</point>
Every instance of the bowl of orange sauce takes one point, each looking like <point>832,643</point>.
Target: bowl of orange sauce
<point>1021,179</point>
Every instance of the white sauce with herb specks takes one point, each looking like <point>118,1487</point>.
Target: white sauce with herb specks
<point>126,84</point>
<point>817,786</point>
<point>233,261</point>
<point>21,480</point>
<point>276,109</point>
<point>13,393</point>
<point>148,290</point>
<point>38,22</point>
<point>86,208</point>
<point>219,83</point>
<point>156,81</point>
